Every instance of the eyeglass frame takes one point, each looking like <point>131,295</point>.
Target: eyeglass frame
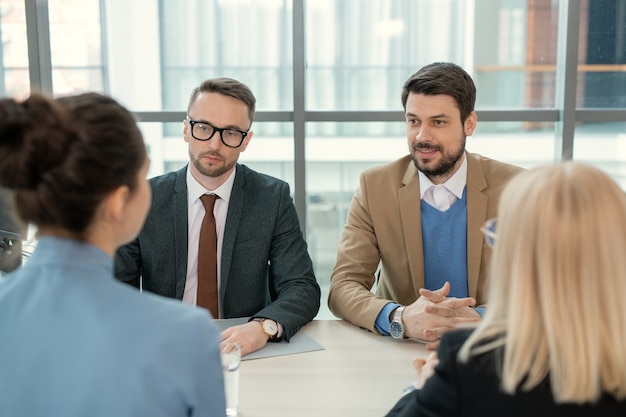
<point>488,230</point>
<point>215,129</point>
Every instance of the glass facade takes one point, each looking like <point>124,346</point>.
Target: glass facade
<point>14,79</point>
<point>327,74</point>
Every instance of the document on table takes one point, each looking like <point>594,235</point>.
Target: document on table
<point>299,343</point>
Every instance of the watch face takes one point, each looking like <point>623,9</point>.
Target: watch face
<point>270,327</point>
<point>396,330</point>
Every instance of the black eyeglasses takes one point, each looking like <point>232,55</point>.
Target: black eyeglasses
<point>233,138</point>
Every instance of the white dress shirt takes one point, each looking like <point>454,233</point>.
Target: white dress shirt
<point>443,196</point>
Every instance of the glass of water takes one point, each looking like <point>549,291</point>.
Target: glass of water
<point>231,359</point>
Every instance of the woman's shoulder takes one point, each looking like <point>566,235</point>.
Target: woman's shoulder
<point>142,310</point>
<point>454,339</point>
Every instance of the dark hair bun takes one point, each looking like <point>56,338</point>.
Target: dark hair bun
<point>35,136</point>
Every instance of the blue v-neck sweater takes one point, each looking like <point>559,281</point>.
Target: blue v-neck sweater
<point>444,236</point>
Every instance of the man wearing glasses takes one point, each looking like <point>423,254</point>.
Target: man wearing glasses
<point>413,227</point>
<point>222,236</point>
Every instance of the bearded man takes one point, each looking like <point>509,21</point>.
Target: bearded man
<point>413,226</point>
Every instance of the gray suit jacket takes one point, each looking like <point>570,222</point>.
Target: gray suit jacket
<point>266,270</point>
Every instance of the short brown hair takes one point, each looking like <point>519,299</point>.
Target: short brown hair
<point>443,78</point>
<point>227,87</point>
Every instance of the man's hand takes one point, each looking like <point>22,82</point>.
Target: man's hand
<point>433,313</point>
<point>249,336</point>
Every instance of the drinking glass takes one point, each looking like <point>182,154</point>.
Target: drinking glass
<point>231,359</point>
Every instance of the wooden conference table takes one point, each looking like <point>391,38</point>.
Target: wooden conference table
<point>357,374</point>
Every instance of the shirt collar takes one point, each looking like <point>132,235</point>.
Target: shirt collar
<point>455,184</point>
<point>195,190</point>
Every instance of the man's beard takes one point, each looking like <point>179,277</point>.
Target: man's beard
<point>210,172</point>
<point>448,159</point>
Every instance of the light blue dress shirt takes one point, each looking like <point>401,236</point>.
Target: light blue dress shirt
<point>76,342</point>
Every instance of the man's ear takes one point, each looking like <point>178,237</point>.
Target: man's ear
<point>186,130</point>
<point>470,124</point>
<point>246,141</point>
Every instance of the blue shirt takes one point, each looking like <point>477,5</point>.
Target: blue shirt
<point>76,342</point>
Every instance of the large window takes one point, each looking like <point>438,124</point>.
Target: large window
<point>551,79</point>
<point>14,80</point>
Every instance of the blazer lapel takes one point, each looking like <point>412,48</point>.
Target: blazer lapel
<point>180,220</point>
<point>233,217</point>
<point>411,218</point>
<point>476,214</point>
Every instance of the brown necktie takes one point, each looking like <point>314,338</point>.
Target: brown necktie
<point>207,258</point>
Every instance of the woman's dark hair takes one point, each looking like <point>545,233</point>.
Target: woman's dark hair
<point>443,78</point>
<point>62,157</point>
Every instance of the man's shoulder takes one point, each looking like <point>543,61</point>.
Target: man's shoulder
<point>493,168</point>
<point>168,179</point>
<point>389,176</point>
<point>494,163</point>
<point>258,179</point>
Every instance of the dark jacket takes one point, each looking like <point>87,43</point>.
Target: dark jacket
<point>472,389</point>
<point>266,270</point>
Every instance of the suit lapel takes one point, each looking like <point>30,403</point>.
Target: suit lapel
<point>476,214</point>
<point>233,217</point>
<point>411,218</point>
<point>180,222</point>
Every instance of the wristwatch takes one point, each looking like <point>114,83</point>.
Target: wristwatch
<point>396,329</point>
<point>269,327</point>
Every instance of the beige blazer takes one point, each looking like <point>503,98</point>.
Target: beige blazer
<point>384,228</point>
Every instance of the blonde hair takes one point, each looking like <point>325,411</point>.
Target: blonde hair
<point>557,291</point>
